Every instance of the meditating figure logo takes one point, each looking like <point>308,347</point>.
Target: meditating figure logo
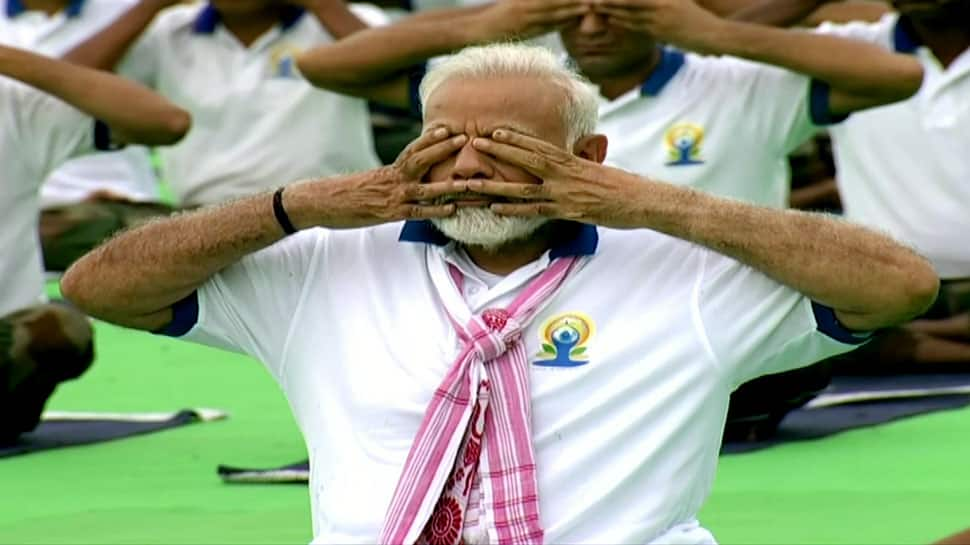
<point>683,141</point>
<point>564,339</point>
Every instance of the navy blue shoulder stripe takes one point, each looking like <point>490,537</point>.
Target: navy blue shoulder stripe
<point>185,314</point>
<point>828,323</point>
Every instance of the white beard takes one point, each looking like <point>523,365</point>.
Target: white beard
<point>484,228</point>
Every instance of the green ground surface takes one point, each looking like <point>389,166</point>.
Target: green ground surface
<point>907,482</point>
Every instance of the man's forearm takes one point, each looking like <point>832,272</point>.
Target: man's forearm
<point>134,113</point>
<point>336,17</point>
<point>106,48</point>
<point>374,55</point>
<point>846,65</point>
<point>777,12</point>
<point>135,278</point>
<point>868,278</point>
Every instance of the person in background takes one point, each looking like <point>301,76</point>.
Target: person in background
<point>549,358</point>
<point>230,64</point>
<point>686,118</point>
<point>53,111</point>
<point>904,168</point>
<point>88,198</point>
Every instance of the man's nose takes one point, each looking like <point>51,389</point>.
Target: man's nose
<point>592,23</point>
<point>471,163</point>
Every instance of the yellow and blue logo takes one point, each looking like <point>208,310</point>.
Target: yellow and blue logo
<point>565,338</point>
<point>683,142</point>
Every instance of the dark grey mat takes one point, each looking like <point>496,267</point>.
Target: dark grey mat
<point>60,429</point>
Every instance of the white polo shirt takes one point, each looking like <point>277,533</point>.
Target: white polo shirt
<point>905,167</point>
<point>37,134</point>
<point>256,123</point>
<point>626,433</point>
<point>719,124</point>
<point>126,173</point>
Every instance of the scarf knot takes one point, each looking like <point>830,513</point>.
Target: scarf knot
<point>492,333</point>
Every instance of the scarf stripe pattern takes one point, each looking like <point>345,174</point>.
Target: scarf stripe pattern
<point>479,414</point>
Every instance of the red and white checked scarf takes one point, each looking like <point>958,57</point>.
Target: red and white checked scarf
<point>480,413</point>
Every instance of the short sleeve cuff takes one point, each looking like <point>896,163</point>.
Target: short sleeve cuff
<point>828,324</point>
<point>185,314</point>
<point>819,104</point>
<point>102,137</point>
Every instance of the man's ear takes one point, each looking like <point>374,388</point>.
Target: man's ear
<point>591,147</point>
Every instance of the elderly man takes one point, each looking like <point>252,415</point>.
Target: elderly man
<point>498,369</point>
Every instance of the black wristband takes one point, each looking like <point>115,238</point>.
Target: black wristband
<point>280,212</point>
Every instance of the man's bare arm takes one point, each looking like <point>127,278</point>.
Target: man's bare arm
<point>335,16</point>
<point>106,48</point>
<point>373,64</point>
<point>870,280</point>
<point>860,75</point>
<point>807,13</point>
<point>135,279</point>
<point>134,113</point>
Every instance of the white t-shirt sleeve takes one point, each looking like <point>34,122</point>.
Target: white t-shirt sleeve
<point>787,107</point>
<point>860,30</point>
<point>755,326</point>
<point>52,130</point>
<point>249,306</point>
<point>370,14</point>
<point>141,61</point>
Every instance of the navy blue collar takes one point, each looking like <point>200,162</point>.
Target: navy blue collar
<point>208,19</point>
<point>578,238</point>
<point>16,7</point>
<point>671,60</point>
<point>904,36</point>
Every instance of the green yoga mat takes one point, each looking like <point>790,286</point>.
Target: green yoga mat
<point>907,482</point>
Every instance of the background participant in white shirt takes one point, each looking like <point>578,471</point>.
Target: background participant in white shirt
<point>680,297</point>
<point>47,117</point>
<point>231,65</point>
<point>87,198</point>
<point>903,168</point>
<point>685,118</point>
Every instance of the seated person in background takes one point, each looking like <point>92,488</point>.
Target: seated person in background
<point>684,118</point>
<point>904,168</point>
<point>88,198</point>
<point>230,64</point>
<point>46,122</point>
<point>498,369</point>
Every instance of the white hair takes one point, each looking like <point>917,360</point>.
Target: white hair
<point>580,109</point>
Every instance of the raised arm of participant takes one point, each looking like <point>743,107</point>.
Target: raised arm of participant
<point>334,15</point>
<point>134,113</point>
<point>106,48</point>
<point>135,279</point>
<point>807,12</point>
<point>869,280</point>
<point>860,75</point>
<point>373,64</point>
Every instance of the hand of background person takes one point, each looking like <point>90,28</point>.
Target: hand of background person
<point>387,194</point>
<point>572,188</point>
<point>527,18</point>
<point>676,22</point>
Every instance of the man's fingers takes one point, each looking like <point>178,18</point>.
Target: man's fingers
<point>423,140</point>
<point>427,211</point>
<point>432,190</point>
<point>545,209</point>
<point>531,161</point>
<point>507,189</point>
<point>415,165</point>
